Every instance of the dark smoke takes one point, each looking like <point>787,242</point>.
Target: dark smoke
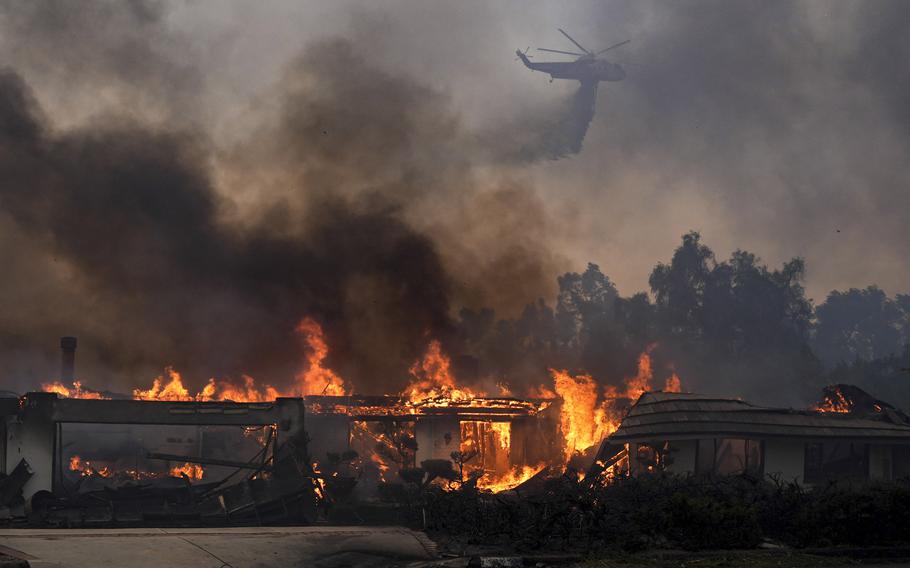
<point>171,202</point>
<point>351,178</point>
<point>132,212</point>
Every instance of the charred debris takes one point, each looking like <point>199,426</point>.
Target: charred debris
<point>82,462</point>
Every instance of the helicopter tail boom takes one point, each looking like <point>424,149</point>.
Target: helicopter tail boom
<point>524,58</point>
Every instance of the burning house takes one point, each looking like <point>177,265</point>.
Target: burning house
<point>848,436</point>
<point>314,443</point>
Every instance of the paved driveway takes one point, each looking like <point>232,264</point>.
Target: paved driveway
<point>318,547</point>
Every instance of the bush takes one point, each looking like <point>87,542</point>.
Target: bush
<point>664,511</point>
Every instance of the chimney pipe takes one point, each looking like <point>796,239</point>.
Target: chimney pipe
<point>68,359</point>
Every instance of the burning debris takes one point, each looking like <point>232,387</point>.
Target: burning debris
<point>493,444</point>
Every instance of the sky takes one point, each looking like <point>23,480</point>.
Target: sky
<point>778,127</point>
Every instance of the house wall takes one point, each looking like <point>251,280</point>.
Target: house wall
<point>327,433</point>
<point>683,456</point>
<point>785,458</point>
<point>880,462</point>
<point>437,437</point>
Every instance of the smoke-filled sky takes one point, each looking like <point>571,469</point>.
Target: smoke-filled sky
<point>183,181</point>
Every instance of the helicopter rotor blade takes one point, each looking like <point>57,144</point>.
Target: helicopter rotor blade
<point>578,45</point>
<point>558,51</point>
<point>613,46</point>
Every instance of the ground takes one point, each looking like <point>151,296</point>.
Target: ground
<point>254,547</point>
<point>727,560</point>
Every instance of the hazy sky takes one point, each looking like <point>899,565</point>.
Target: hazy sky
<point>780,127</point>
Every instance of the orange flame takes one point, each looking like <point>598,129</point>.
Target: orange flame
<point>433,380</point>
<point>586,418</point>
<point>76,392</point>
<point>510,480</point>
<point>85,468</point>
<point>583,420</point>
<point>173,390</point>
<point>169,387</point>
<point>191,470</point>
<point>835,401</point>
<point>673,384</point>
<point>317,379</point>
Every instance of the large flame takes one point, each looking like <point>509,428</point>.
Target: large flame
<point>317,379</point>
<point>589,411</point>
<point>583,418</point>
<point>433,381</point>
<point>586,417</point>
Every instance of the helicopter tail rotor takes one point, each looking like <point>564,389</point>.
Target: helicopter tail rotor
<point>520,54</point>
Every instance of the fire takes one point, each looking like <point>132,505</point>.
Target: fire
<point>673,384</point>
<point>86,469</point>
<point>318,482</point>
<point>587,418</point>
<point>583,419</point>
<point>503,433</point>
<point>77,391</point>
<point>317,379</point>
<point>433,380</point>
<point>510,480</point>
<point>641,382</point>
<point>834,401</point>
<point>485,453</point>
<point>191,470</point>
<point>249,392</point>
<point>172,390</point>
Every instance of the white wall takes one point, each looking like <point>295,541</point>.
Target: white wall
<point>785,458</point>
<point>432,439</point>
<point>683,456</point>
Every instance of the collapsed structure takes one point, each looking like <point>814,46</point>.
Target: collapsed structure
<point>54,441</point>
<point>252,454</point>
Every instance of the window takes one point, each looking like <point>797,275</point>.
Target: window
<point>651,457</point>
<point>836,460</point>
<point>729,456</point>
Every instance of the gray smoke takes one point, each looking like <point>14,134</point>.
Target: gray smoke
<point>184,181</point>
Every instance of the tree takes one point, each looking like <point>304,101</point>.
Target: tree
<point>679,286</point>
<point>859,324</point>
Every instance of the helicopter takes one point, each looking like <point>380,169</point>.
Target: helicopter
<point>587,68</point>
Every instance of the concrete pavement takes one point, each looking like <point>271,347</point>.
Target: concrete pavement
<point>253,547</point>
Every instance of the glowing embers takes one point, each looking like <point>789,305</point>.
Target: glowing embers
<point>105,470</point>
<point>835,401</point>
